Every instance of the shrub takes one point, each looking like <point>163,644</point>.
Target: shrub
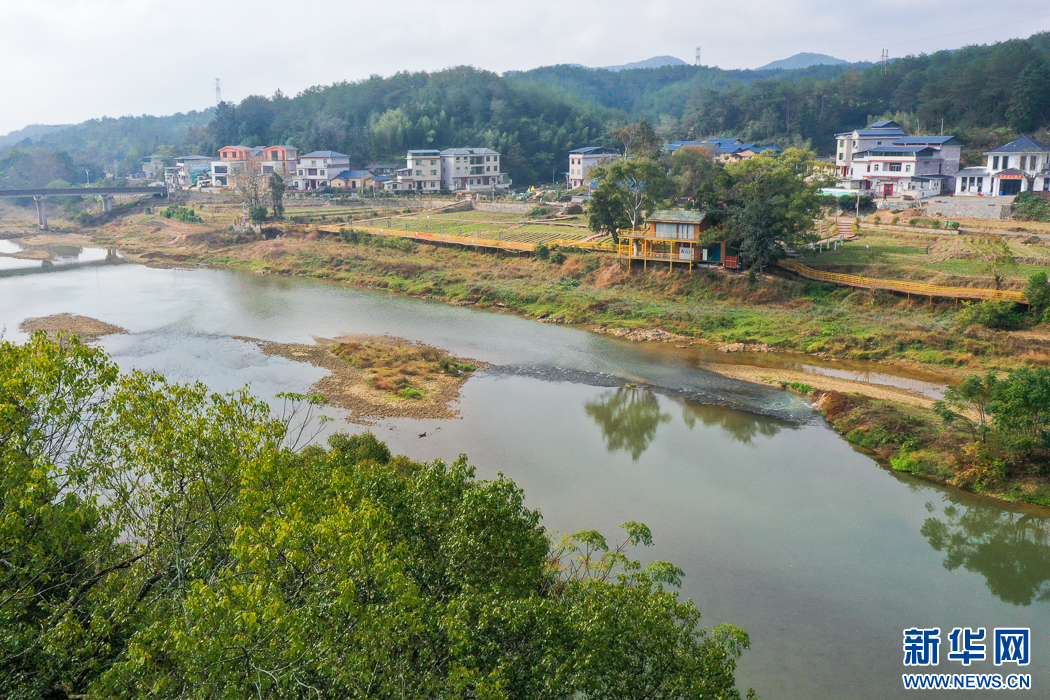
<point>542,251</point>
<point>1031,207</point>
<point>1038,292</point>
<point>574,209</point>
<point>557,257</point>
<point>410,393</point>
<point>539,212</point>
<point>997,315</point>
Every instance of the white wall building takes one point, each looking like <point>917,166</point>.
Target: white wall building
<point>900,171</point>
<point>316,170</point>
<point>582,160</point>
<point>471,169</point>
<point>880,133</point>
<point>1020,166</point>
<point>421,172</point>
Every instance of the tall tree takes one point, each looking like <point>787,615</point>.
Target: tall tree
<point>627,193</point>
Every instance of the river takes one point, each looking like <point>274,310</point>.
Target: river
<point>822,555</point>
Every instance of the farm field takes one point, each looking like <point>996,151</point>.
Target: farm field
<point>952,259</point>
<point>499,226</point>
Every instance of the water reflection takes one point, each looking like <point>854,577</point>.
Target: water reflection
<point>628,418</point>
<point>739,425</point>
<point>1011,550</point>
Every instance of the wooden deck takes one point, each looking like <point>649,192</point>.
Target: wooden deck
<point>902,286</point>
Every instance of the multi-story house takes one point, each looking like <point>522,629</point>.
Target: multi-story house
<point>471,169</point>
<point>422,171</point>
<point>900,171</point>
<point>316,169</point>
<point>582,160</point>
<point>188,170</point>
<point>1023,165</point>
<point>880,133</point>
<point>883,160</point>
<point>282,160</point>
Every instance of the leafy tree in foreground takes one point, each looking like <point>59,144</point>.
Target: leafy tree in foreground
<point>626,194</point>
<point>160,540</point>
<point>276,188</point>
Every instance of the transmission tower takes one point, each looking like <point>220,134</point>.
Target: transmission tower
<point>698,55</point>
<point>218,92</point>
<point>885,59</point>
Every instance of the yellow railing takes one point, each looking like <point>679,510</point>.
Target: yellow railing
<point>476,241</point>
<point>926,290</point>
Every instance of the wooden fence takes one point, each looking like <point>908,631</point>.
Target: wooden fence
<point>903,287</point>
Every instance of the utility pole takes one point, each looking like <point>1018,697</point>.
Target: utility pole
<point>698,55</point>
<point>87,175</point>
<point>942,126</point>
<point>885,60</point>
<point>218,93</point>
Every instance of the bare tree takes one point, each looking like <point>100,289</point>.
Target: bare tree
<point>249,183</point>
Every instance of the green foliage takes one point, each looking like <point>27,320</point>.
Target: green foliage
<point>1038,293</point>
<point>848,203</point>
<point>972,396</point>
<point>541,251</point>
<point>1021,408</point>
<point>411,393</point>
<point>627,193</point>
<point>540,212</point>
<point>557,257</point>
<point>181,214</point>
<point>257,214</point>
<point>182,546</point>
<point>275,189</point>
<point>1031,207</point>
<point>997,315</point>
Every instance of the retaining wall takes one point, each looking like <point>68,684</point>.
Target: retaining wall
<point>972,210</point>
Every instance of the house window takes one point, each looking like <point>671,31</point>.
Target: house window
<point>907,168</point>
<point>1006,162</point>
<point>488,168</point>
<point>842,143</point>
<point>876,167</point>
<point>419,172</point>
<point>433,172</point>
<point>869,167</point>
<point>311,171</point>
<point>841,156</point>
<point>300,172</point>
<point>895,167</point>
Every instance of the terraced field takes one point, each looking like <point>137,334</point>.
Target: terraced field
<point>507,227</point>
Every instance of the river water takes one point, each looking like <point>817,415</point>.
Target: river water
<point>782,528</point>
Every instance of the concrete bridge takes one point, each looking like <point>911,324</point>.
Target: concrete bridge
<point>41,194</point>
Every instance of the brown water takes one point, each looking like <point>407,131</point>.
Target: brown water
<point>823,556</point>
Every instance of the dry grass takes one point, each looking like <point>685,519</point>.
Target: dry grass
<point>396,369</point>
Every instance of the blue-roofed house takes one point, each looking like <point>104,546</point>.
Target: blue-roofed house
<point>1023,165</point>
<point>725,150</point>
<point>581,160</point>
<point>353,180</point>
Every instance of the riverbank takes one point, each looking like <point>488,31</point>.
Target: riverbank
<point>65,325</point>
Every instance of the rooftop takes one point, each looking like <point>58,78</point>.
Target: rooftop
<point>927,141</point>
<point>324,154</point>
<point>425,152</point>
<point>595,149</point>
<point>1022,144</point>
<point>469,152</point>
<point>352,175</point>
<point>678,215</point>
<point>897,151</point>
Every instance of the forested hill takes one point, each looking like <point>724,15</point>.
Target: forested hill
<point>984,94</point>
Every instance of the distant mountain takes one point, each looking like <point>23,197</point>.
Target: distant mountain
<point>654,62</point>
<point>804,60</point>
<point>33,132</point>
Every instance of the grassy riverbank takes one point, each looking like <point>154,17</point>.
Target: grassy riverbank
<point>592,288</point>
<point>915,440</point>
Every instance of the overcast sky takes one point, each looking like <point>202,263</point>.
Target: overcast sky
<point>65,61</point>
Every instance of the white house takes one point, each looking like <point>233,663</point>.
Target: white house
<point>582,160</point>
<point>421,172</point>
<point>471,169</point>
<point>1019,166</point>
<point>880,133</point>
<point>316,170</point>
<point>900,171</point>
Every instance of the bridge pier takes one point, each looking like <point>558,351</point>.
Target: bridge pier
<point>41,210</point>
<point>107,203</point>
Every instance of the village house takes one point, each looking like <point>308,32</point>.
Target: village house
<point>353,180</point>
<point>673,236</point>
<point>471,169</point>
<point>901,171</point>
<point>187,171</point>
<point>725,150</point>
<point>1023,165</point>
<point>582,160</point>
<point>317,168</point>
<point>422,171</point>
<point>282,160</point>
<point>884,162</point>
